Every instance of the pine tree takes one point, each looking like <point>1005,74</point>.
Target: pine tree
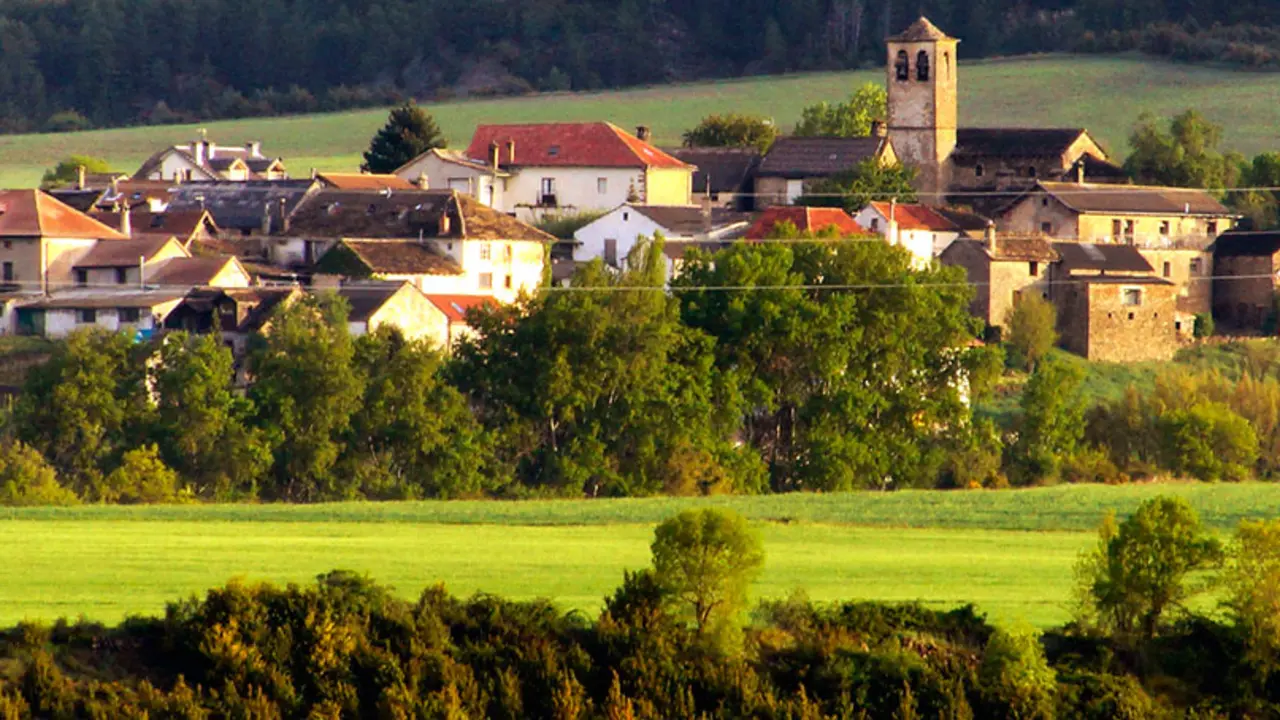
<point>409,132</point>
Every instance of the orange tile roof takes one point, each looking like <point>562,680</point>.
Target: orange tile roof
<point>364,181</point>
<point>589,144</point>
<point>806,219</point>
<point>32,213</point>
<point>915,217</point>
<point>455,307</point>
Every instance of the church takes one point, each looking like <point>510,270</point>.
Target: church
<point>963,166</point>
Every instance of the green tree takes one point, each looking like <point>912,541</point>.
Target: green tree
<point>26,479</point>
<point>1252,582</point>
<point>706,560</point>
<point>1185,155</point>
<point>1033,330</point>
<point>733,130</point>
<point>1017,676</point>
<point>842,388</point>
<point>409,132</point>
<point>583,388</point>
<point>67,171</point>
<point>1051,422</point>
<point>305,390</point>
<point>848,119</point>
<point>202,425</point>
<point>141,479</point>
<point>866,181</point>
<point>1208,441</point>
<point>1142,568</point>
<point>413,435</point>
<point>85,406</point>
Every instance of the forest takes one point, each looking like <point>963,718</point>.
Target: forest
<point>74,64</point>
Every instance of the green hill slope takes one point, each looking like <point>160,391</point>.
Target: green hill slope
<point>1104,94</point>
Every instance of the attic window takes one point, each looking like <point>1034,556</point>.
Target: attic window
<point>553,150</point>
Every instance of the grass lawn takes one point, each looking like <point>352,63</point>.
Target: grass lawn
<point>1104,94</point>
<point>1008,552</point>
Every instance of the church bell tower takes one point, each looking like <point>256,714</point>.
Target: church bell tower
<point>921,83</point>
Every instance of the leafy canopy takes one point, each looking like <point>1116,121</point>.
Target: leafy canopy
<point>1184,155</point>
<point>851,118</point>
<point>67,171</point>
<point>409,132</point>
<point>865,182</point>
<point>733,130</point>
<point>1032,329</point>
<point>1051,421</point>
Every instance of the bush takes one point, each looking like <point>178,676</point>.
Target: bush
<point>26,479</point>
<point>1204,326</point>
<point>1092,465</point>
<point>1017,678</point>
<point>1209,442</point>
<point>67,121</point>
<point>141,479</point>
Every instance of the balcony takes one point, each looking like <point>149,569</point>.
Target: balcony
<point>548,200</point>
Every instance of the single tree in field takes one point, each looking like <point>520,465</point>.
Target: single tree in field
<point>733,130</point>
<point>1032,330</point>
<point>409,132</point>
<point>705,560</point>
<point>847,119</point>
<point>67,171</point>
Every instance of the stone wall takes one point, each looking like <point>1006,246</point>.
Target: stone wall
<point>1096,322</point>
<point>1190,271</point>
<point>1243,288</point>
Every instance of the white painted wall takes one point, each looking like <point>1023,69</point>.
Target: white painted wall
<point>60,322</point>
<point>622,224</point>
<point>518,260</point>
<point>577,189</point>
<point>443,175</point>
<point>923,244</point>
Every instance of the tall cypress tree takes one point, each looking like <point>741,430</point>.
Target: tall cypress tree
<point>409,132</point>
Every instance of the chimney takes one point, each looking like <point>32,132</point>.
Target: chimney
<point>126,224</point>
<point>989,236</point>
<point>1080,171</point>
<point>80,180</point>
<point>210,148</point>
<point>253,148</point>
<point>891,227</point>
<point>266,218</point>
<point>879,129</point>
<point>142,270</point>
<point>197,150</point>
<point>511,152</point>
<point>643,132</point>
<point>315,172</point>
<point>284,217</point>
<point>424,183</point>
<point>706,213</point>
<point>493,154</point>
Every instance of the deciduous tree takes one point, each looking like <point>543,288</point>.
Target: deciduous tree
<point>1184,155</point>
<point>1033,330</point>
<point>733,130</point>
<point>1051,423</point>
<point>67,171</point>
<point>852,118</point>
<point>865,182</point>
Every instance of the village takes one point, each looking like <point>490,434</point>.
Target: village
<point>210,238</point>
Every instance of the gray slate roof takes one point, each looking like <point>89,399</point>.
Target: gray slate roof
<point>242,205</point>
<point>1100,258</point>
<point>797,158</point>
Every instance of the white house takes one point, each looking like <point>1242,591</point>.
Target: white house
<point>612,236</point>
<point>142,311</point>
<point>918,228</point>
<point>203,159</point>
<point>532,170</point>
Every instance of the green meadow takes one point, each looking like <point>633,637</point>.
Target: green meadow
<point>1104,94</point>
<point>1008,552</point>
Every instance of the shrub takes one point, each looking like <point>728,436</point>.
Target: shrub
<point>1032,331</point>
<point>1016,676</point>
<point>1209,442</point>
<point>1204,326</point>
<point>26,479</point>
<point>142,478</point>
<point>67,121</point>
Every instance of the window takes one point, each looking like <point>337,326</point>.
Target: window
<point>875,224</point>
<point>8,244</point>
<point>1115,229</point>
<point>902,67</point>
<point>122,275</point>
<point>486,251</point>
<point>1166,270</point>
<point>508,253</point>
<point>547,196</point>
<point>1031,171</point>
<point>82,277</point>
<point>1044,202</point>
<point>922,66</point>
<point>1128,230</point>
<point>946,65</point>
<point>1034,269</point>
<point>8,272</point>
<point>602,185</point>
<point>1046,228</point>
<point>86,316</point>
<point>1132,296</point>
<point>611,252</point>
<point>1164,228</point>
<point>128,315</point>
<point>1213,228</point>
<point>978,169</point>
<point>626,216</point>
<point>486,281</point>
<point>506,282</point>
<point>1195,266</point>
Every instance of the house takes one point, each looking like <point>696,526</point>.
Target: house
<point>205,160</point>
<point>455,309</point>
<point>726,175</point>
<point>364,181</point>
<point>246,213</point>
<point>535,169</point>
<point>922,78</point>
<point>151,195</point>
<point>142,311</point>
<point>612,235</point>
<point>1245,268</point>
<point>444,241</point>
<point>199,272</point>
<point>1002,269</point>
<point>1111,306</point>
<point>1147,216</point>
<point>124,263</point>
<point>41,240</point>
<point>397,304</point>
<point>920,229</point>
<point>793,164</point>
<point>814,220</point>
<point>188,226</point>
<point>234,313</point>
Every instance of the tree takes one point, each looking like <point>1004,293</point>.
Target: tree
<point>1018,677</point>
<point>202,426</point>
<point>706,560</point>
<point>1185,155</point>
<point>1208,441</point>
<point>141,479</point>
<point>1252,582</point>
<point>853,118</point>
<point>27,480</point>
<point>733,130</point>
<point>1032,330</point>
<point>1141,568</point>
<point>866,181</point>
<point>67,171</point>
<point>1051,423</point>
<point>409,132</point>
<point>305,391</point>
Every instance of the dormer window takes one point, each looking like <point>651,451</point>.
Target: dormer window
<point>922,66</point>
<point>902,67</point>
<point>554,150</point>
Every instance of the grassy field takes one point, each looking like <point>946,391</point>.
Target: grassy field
<point>940,548</point>
<point>1105,94</point>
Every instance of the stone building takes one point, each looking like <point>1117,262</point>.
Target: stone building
<point>794,164</point>
<point>1245,265</point>
<point>1003,270</point>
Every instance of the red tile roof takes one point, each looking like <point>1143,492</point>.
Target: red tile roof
<point>32,213</point>
<point>806,219</point>
<point>455,307</point>
<point>915,217</point>
<point>592,144</point>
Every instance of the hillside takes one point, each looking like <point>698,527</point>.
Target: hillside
<point>1104,94</point>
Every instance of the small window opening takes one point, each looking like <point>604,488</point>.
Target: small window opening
<point>1046,228</point>
<point>1167,269</point>
<point>1034,269</point>
<point>922,66</point>
<point>978,170</point>
<point>902,67</point>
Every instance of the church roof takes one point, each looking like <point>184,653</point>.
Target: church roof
<point>1015,142</point>
<point>921,30</point>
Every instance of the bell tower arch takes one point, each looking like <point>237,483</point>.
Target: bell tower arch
<point>921,85</point>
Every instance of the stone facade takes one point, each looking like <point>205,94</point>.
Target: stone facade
<point>1190,270</point>
<point>1243,290</point>
<point>921,82</point>
<point>1000,278</point>
<point>1109,319</point>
